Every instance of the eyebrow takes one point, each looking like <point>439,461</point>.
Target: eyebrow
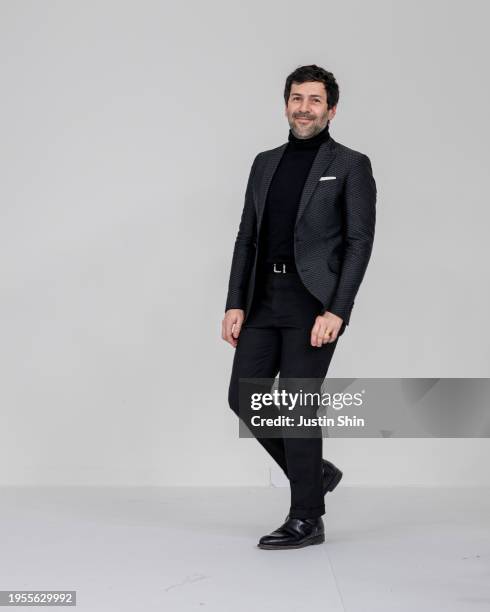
<point>311,95</point>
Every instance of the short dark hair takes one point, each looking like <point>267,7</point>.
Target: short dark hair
<point>314,73</point>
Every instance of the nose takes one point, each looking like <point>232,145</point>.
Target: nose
<point>304,108</point>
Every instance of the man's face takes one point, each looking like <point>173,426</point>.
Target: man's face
<point>306,109</point>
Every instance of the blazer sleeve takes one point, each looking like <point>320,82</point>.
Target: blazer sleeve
<point>360,219</point>
<point>244,250</point>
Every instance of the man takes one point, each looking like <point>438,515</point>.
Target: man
<point>303,245</point>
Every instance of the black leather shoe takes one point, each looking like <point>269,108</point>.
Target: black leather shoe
<point>295,533</point>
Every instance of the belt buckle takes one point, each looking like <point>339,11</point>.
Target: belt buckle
<point>280,271</point>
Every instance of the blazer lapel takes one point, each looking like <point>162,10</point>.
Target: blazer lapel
<point>270,167</point>
<point>322,161</point>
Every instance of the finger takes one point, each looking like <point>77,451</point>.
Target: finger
<point>333,335</point>
<point>228,329</point>
<point>329,330</point>
<point>236,329</point>
<point>314,333</point>
<point>233,323</point>
<point>320,333</point>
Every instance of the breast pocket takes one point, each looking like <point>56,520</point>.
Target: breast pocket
<point>327,187</point>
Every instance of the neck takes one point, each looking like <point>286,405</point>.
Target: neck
<point>306,143</point>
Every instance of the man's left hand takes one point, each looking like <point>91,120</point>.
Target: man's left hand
<point>325,329</point>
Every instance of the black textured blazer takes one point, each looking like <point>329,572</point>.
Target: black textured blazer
<point>333,234</point>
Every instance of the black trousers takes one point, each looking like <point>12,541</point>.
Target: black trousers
<point>276,339</point>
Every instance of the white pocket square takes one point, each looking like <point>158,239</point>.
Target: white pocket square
<point>327,178</point>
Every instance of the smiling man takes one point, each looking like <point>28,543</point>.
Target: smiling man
<point>303,245</point>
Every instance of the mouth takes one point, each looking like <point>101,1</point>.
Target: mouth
<point>303,120</point>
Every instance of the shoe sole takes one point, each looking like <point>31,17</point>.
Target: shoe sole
<point>318,539</point>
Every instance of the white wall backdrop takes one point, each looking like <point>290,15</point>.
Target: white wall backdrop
<point>127,134</point>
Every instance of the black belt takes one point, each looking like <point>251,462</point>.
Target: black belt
<point>279,268</point>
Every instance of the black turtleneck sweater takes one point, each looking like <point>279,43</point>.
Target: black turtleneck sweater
<point>281,207</point>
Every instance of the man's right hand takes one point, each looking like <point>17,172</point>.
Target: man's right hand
<point>231,325</point>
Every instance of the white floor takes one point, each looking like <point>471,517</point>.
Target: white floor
<point>145,549</point>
